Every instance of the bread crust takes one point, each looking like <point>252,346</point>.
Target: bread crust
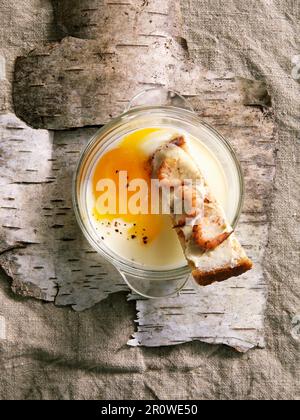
<point>223,273</point>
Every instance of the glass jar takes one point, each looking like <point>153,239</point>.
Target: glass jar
<point>145,111</point>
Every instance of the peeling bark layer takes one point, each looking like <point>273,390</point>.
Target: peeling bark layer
<point>77,83</point>
<point>82,82</point>
<point>113,21</point>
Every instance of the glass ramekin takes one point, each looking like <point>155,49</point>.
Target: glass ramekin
<point>150,283</point>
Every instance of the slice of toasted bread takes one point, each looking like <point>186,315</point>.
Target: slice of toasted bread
<point>210,246</point>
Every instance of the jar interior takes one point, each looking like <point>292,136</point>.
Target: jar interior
<point>168,119</point>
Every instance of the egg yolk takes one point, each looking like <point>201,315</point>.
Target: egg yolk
<point>131,157</point>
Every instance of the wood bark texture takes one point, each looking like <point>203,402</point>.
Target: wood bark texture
<point>81,82</point>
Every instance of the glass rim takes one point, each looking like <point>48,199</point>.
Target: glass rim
<point>123,265</point>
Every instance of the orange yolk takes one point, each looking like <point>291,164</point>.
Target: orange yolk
<point>129,156</point>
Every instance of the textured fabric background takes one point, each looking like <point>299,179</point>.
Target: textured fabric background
<point>53,353</point>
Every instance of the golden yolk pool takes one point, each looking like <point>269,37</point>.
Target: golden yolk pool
<point>129,156</point>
